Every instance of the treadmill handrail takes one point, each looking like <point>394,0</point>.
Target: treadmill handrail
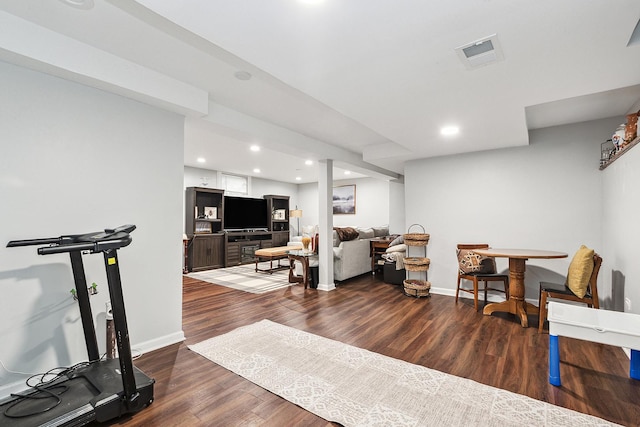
<point>92,247</point>
<point>97,241</point>
<point>33,242</point>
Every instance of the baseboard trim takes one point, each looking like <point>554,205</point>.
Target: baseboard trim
<point>490,298</point>
<point>326,287</point>
<point>156,343</point>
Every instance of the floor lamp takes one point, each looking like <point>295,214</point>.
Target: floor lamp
<point>296,213</point>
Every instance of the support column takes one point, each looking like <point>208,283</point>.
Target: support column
<point>325,225</point>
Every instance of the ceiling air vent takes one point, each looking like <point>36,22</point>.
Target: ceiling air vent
<point>480,52</point>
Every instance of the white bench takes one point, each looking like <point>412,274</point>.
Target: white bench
<point>589,324</point>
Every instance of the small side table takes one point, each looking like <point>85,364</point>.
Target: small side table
<point>378,247</point>
<point>303,257</point>
<point>592,324</point>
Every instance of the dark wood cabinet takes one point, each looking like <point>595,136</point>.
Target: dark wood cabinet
<point>204,226</point>
<point>280,238</point>
<point>206,252</point>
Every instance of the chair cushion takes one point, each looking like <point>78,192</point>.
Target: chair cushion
<point>580,271</point>
<point>555,287</point>
<point>470,262</point>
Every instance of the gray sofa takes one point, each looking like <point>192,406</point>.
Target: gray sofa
<point>352,257</point>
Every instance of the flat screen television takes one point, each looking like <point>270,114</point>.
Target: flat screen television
<point>244,213</point>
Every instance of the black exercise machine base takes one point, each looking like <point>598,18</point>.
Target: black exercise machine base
<point>90,393</point>
<point>102,389</point>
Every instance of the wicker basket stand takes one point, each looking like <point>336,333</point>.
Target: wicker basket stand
<point>415,287</point>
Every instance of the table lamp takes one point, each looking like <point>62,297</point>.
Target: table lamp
<point>296,213</point>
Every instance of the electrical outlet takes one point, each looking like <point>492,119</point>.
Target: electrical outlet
<point>627,304</point>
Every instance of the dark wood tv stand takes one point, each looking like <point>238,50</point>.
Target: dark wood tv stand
<point>211,246</point>
<point>241,245</point>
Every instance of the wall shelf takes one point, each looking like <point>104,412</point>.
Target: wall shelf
<point>619,154</point>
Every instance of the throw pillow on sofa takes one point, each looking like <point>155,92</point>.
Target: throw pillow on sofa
<point>397,241</point>
<point>366,233</point>
<point>380,231</point>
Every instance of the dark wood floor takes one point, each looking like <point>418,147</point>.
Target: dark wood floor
<point>434,332</point>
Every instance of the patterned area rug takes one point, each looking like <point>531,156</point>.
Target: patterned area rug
<point>245,278</point>
<point>356,387</point>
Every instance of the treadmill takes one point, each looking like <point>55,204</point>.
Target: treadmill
<point>100,389</point>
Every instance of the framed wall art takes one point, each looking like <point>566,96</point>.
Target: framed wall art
<point>344,200</point>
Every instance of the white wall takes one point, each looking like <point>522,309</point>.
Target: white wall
<point>620,272</point>
<point>373,204</point>
<point>543,196</point>
<point>75,159</point>
<point>200,177</point>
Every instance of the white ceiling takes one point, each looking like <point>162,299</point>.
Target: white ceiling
<point>368,83</point>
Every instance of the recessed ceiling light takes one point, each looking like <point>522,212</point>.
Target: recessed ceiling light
<point>242,75</point>
<point>347,172</point>
<point>256,170</point>
<point>308,162</point>
<point>79,4</point>
<point>298,178</point>
<point>201,160</point>
<point>311,2</point>
<point>449,130</point>
<point>254,148</point>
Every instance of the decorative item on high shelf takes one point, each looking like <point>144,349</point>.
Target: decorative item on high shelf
<point>607,149</point>
<point>624,137</point>
<point>618,137</point>
<point>279,214</point>
<point>631,129</point>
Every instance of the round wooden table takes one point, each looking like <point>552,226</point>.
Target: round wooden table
<point>517,258</point>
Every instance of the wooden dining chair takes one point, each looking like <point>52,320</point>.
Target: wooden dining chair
<point>476,268</point>
<point>562,292</point>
